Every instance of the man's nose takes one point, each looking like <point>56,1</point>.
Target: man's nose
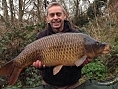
<point>55,16</point>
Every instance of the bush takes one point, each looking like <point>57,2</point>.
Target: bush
<point>94,70</point>
<point>12,43</point>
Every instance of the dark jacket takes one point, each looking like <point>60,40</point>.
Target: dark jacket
<point>68,75</point>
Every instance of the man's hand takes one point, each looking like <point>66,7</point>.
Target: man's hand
<point>88,60</point>
<point>38,64</point>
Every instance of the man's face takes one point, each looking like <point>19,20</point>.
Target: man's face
<point>56,17</point>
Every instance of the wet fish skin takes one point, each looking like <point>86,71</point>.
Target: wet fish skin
<point>66,49</point>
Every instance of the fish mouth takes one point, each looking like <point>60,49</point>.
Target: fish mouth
<point>106,49</point>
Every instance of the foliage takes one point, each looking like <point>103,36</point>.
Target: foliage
<point>12,43</point>
<point>112,60</point>
<point>108,67</point>
<point>81,20</point>
<point>95,8</point>
<point>29,77</point>
<point>95,70</point>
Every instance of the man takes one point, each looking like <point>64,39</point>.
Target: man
<point>68,77</point>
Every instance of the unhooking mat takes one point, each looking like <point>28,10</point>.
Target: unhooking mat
<point>88,84</point>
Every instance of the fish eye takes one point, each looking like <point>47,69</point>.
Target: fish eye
<point>97,43</point>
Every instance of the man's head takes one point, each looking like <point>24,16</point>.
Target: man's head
<point>56,15</point>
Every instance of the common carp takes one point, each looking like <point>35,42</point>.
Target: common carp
<point>61,49</point>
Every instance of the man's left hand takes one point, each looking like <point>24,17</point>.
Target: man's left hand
<point>88,60</point>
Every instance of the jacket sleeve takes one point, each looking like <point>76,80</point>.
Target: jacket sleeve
<point>41,34</point>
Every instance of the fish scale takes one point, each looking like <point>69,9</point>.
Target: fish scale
<point>66,52</point>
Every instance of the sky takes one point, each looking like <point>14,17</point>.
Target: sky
<point>82,4</point>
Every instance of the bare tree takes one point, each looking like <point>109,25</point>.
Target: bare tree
<point>5,10</point>
<point>11,12</point>
<point>21,12</point>
<point>38,8</point>
<point>77,11</point>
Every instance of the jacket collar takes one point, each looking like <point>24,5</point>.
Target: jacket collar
<point>67,27</point>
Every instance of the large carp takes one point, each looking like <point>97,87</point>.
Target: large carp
<point>62,49</point>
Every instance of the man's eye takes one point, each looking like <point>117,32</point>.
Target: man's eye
<point>58,14</point>
<point>52,15</point>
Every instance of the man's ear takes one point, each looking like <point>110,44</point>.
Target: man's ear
<point>65,16</point>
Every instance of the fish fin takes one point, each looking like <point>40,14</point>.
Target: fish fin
<point>57,69</point>
<point>14,76</point>
<point>80,61</point>
<point>6,69</point>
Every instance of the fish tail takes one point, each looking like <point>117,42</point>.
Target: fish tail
<point>11,71</point>
<point>6,69</point>
<point>14,76</point>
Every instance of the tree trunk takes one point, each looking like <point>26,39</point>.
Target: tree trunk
<point>21,12</point>
<point>77,12</point>
<point>5,11</point>
<point>11,12</point>
<point>38,10</point>
<point>5,14</point>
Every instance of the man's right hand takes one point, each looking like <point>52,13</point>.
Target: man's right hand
<point>38,64</point>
